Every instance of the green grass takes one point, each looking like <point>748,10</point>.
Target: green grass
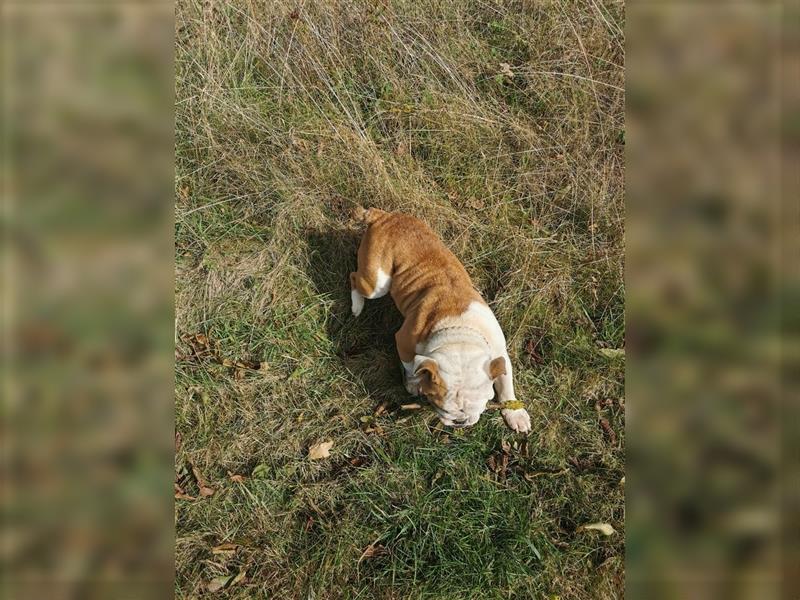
<point>285,121</point>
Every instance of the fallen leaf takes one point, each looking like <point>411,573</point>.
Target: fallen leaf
<point>604,528</point>
<point>224,549</point>
<point>321,450</point>
<point>505,69</point>
<point>218,583</point>
<point>178,441</point>
<point>612,352</point>
<point>612,437</point>
<point>247,364</point>
<point>532,352</point>
<point>373,550</point>
<point>180,494</point>
<point>580,464</point>
<point>236,478</point>
<point>240,577</point>
<point>498,464</point>
<point>357,461</point>
<point>601,404</point>
<point>475,203</point>
<point>205,490</point>
<point>201,346</point>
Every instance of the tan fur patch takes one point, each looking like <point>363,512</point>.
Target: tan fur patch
<point>431,383</point>
<point>497,368</point>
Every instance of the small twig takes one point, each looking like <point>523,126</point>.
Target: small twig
<point>412,406</point>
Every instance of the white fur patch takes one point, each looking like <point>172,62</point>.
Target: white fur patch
<point>357,302</point>
<point>480,317</point>
<point>382,284</point>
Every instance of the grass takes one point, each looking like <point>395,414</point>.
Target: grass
<point>287,116</point>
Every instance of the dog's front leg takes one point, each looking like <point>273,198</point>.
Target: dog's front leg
<point>406,348</point>
<point>410,380</point>
<point>517,419</point>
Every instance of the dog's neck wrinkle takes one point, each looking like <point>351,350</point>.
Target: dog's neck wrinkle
<point>454,334</point>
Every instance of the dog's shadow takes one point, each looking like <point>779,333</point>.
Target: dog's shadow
<point>365,344</point>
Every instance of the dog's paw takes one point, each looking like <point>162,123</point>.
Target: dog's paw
<point>357,302</point>
<point>518,420</point>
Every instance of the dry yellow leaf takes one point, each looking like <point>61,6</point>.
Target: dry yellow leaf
<point>239,578</point>
<point>224,549</point>
<point>613,352</point>
<point>321,450</point>
<point>505,69</point>
<point>604,528</point>
<point>218,583</point>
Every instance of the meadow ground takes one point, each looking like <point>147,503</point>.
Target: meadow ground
<point>501,124</point>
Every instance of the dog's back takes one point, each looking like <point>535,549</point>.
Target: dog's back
<point>416,260</point>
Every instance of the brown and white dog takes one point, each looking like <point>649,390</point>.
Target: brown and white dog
<point>451,345</point>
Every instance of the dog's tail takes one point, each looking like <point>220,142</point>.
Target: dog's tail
<point>366,215</point>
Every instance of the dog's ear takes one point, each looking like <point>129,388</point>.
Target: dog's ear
<point>430,381</point>
<point>496,367</point>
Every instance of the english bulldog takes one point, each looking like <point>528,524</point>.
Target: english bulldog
<point>451,346</point>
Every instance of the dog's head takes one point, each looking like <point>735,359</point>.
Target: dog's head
<point>457,379</point>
